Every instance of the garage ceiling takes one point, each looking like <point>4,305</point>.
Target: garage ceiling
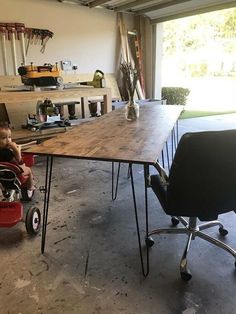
<point>157,10</point>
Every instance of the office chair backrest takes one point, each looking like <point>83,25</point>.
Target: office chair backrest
<point>202,179</point>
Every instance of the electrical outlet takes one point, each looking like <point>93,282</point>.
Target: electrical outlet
<point>66,65</point>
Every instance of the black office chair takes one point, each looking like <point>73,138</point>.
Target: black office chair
<point>201,184</point>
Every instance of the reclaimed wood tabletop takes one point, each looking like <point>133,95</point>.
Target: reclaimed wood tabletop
<point>112,138</point>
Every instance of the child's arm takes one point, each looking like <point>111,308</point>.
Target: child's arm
<point>16,149</point>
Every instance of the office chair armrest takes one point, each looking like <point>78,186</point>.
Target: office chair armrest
<point>163,175</point>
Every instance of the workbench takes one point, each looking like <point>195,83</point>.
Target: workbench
<point>81,94</point>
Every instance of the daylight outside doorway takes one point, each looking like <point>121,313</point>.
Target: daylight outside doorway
<point>199,53</point>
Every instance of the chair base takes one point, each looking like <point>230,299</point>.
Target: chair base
<point>193,230</point>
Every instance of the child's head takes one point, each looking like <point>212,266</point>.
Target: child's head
<point>5,134</point>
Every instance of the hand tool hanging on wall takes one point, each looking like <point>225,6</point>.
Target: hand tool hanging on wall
<point>18,31</point>
<point>3,33</point>
<point>45,37</point>
<point>20,28</point>
<point>12,37</point>
<point>37,36</point>
<point>27,35</point>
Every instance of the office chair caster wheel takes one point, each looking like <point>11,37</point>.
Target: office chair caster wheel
<point>149,241</point>
<point>174,221</point>
<point>185,276</point>
<point>223,231</point>
<point>32,221</point>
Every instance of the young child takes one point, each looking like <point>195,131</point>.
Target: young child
<point>11,152</point>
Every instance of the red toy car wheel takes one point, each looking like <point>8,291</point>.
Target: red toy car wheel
<point>33,221</point>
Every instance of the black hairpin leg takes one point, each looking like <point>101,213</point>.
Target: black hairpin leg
<point>176,134</point>
<point>145,273</point>
<point>177,131</point>
<point>173,143</point>
<point>167,155</point>
<point>128,173</point>
<point>47,188</point>
<point>175,137</point>
<point>163,158</point>
<point>114,194</point>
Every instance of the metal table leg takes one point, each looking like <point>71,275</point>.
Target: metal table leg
<point>114,194</point>
<point>47,189</point>
<point>145,272</point>
<point>115,189</point>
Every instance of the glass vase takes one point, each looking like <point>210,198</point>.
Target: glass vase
<point>131,111</point>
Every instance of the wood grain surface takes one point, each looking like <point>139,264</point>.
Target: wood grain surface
<point>113,138</point>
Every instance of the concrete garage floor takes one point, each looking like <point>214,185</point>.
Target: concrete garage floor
<point>91,263</point>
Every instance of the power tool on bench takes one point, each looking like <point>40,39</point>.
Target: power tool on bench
<point>47,116</point>
<point>98,80</point>
<point>41,76</point>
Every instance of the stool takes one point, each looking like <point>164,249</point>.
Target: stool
<point>71,108</point>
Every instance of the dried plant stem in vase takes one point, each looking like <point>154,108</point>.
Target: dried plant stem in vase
<point>130,78</point>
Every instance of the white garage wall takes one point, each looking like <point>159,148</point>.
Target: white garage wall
<point>88,37</point>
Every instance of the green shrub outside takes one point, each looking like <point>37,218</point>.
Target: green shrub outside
<point>175,95</point>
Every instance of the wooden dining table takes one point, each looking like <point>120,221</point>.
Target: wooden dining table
<point>113,139</point>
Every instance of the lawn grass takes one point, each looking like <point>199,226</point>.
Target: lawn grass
<point>188,114</point>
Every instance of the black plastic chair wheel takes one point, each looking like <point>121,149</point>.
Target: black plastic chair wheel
<point>33,221</point>
<point>186,276</point>
<point>149,241</point>
<point>223,231</point>
<point>174,221</point>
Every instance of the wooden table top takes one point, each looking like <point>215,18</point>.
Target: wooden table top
<point>113,138</point>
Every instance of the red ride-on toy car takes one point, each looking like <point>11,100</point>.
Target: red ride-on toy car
<point>11,208</point>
